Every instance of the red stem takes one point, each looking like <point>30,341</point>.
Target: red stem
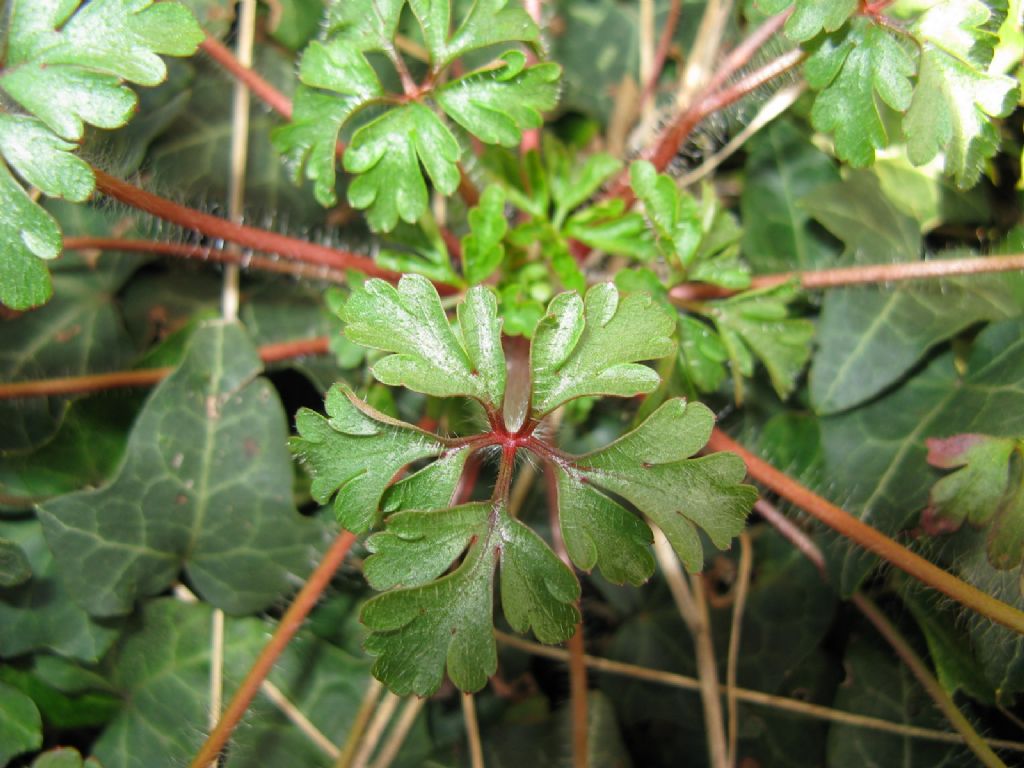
<point>263,90</point>
<point>240,234</point>
<point>286,629</point>
<point>204,253</point>
<point>77,385</point>
<point>871,539</point>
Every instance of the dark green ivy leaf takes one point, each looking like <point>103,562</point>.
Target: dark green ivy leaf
<point>21,728</point>
<point>206,487</point>
<point>14,566</point>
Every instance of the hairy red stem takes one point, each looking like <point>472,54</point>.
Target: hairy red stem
<point>286,629</point>
<point>77,385</point>
<point>870,538</point>
<point>205,253</point>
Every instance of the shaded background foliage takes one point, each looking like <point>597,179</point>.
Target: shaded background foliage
<point>105,649</point>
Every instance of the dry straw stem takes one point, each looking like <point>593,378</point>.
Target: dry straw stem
<point>871,539</point>
<point>779,703</point>
<point>396,738</point>
<point>476,749</point>
<point>739,604</point>
<point>367,707</point>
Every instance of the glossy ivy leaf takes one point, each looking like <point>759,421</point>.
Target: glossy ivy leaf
<point>386,154</point>
<point>21,727</point>
<point>811,16</point>
<point>985,490</point>
<point>419,630</point>
<point>651,468</point>
<point>430,356</point>
<point>956,96</point>
<point>40,614</point>
<point>483,249</point>
<point>234,529</point>
<point>497,103</point>
<point>592,346</point>
<point>354,454</point>
<point>848,69</point>
<point>488,22</point>
<point>66,65</point>
<point>674,214</point>
<point>757,324</point>
<point>14,566</point>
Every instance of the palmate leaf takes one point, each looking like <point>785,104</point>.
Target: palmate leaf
<point>848,69</point>
<point>651,468</point>
<point>206,488</point>
<point>986,490</point>
<point>592,345</point>
<point>429,355</point>
<point>956,96</point>
<point>420,629</point>
<point>66,65</point>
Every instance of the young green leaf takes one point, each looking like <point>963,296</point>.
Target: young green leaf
<point>986,490</point>
<point>355,453</point>
<point>496,104</point>
<point>651,468</point>
<point>811,16</point>
<point>387,153</point>
<point>758,323</point>
<point>956,96</point>
<point>482,248</point>
<point>370,25</point>
<point>848,69</point>
<point>419,630</point>
<point>674,215</point>
<point>430,356</point>
<point>591,346</point>
<point>488,22</point>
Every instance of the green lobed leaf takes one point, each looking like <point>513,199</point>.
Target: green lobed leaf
<point>355,453</point>
<point>813,16</point>
<point>651,468</point>
<point>430,356</point>
<point>488,22</point>
<point>848,69</point>
<point>21,728</point>
<point>209,445</point>
<point>591,346</point>
<point>573,183</point>
<point>496,104</point>
<point>387,153</point>
<point>483,249</point>
<point>986,490</point>
<point>758,323</point>
<point>419,631</point>
<point>63,757</point>
<point>674,214</point>
<point>956,96</point>
<point>369,24</point>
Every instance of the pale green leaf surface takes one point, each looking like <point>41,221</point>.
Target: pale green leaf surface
<point>21,727</point>
<point>388,152</point>
<point>44,160</point>
<point>354,454</point>
<point>482,248</point>
<point>592,346</point>
<point>369,24</point>
<point>27,234</point>
<point>651,468</point>
<point>40,614</point>
<point>206,488</point>
<point>497,104</point>
<point>956,96</point>
<point>813,16</point>
<point>674,214</point>
<point>488,22</point>
<point>848,69</point>
<point>575,183</point>
<point>432,487</point>
<point>875,455</point>
<point>430,356</point>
